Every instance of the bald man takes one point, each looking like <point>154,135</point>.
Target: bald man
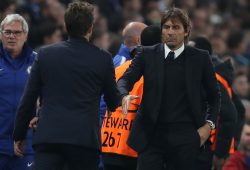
<point>117,155</point>
<point>131,39</point>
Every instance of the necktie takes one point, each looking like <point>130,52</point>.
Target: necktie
<point>170,56</point>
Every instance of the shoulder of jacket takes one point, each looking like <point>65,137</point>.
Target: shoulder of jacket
<point>196,50</point>
<point>152,48</point>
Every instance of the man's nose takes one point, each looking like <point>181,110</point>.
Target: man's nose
<point>171,31</point>
<point>12,35</point>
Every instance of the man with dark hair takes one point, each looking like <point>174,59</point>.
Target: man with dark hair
<point>70,77</point>
<point>151,35</point>
<point>170,125</point>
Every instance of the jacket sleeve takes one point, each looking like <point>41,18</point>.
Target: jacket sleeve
<point>28,101</point>
<point>240,118</point>
<point>211,87</point>
<point>226,124</point>
<point>111,93</point>
<point>132,74</point>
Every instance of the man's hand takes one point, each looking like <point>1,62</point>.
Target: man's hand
<point>126,102</point>
<point>19,148</point>
<point>33,123</point>
<point>204,133</point>
<point>218,163</point>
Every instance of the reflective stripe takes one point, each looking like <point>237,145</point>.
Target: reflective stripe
<point>115,129</point>
<point>213,132</point>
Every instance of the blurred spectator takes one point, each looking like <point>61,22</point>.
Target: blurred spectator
<point>241,85</point>
<point>201,22</point>
<point>237,47</point>
<point>101,24</point>
<point>49,33</point>
<point>218,44</point>
<point>132,38</point>
<point>7,7</point>
<point>240,160</point>
<point>153,17</point>
<point>100,39</point>
<point>116,41</point>
<point>246,104</point>
<point>34,8</point>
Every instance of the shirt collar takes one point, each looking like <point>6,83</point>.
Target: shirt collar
<point>176,52</point>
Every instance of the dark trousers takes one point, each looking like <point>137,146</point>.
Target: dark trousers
<point>117,167</point>
<point>56,156</point>
<point>204,158</point>
<point>175,147</point>
<point>114,161</point>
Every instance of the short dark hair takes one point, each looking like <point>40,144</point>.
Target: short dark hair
<point>203,43</point>
<point>234,39</point>
<point>151,35</point>
<point>78,18</point>
<point>180,15</point>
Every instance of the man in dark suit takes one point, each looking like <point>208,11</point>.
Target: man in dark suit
<point>70,77</point>
<point>170,126</point>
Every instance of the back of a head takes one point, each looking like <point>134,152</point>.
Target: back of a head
<point>234,39</point>
<point>203,43</point>
<point>79,18</point>
<point>47,30</point>
<point>151,35</point>
<point>132,32</point>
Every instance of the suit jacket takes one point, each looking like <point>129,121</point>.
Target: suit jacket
<point>149,63</point>
<point>70,76</point>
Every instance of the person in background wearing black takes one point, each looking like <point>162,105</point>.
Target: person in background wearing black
<point>214,154</point>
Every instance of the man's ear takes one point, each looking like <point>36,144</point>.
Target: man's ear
<point>90,30</point>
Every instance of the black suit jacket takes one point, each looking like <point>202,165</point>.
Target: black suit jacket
<point>149,63</point>
<point>71,76</point>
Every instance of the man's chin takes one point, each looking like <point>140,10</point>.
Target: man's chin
<point>171,46</point>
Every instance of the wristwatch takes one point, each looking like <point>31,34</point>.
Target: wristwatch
<point>211,124</point>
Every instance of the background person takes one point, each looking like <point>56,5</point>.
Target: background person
<point>16,59</point>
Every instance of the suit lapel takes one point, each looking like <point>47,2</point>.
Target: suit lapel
<point>189,74</point>
<point>160,67</point>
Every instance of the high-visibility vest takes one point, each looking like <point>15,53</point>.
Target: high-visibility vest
<point>115,128</point>
<point>213,132</point>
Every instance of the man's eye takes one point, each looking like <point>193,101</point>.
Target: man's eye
<point>176,27</point>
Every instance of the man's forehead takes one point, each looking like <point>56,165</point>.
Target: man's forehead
<point>13,25</point>
<point>173,21</point>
